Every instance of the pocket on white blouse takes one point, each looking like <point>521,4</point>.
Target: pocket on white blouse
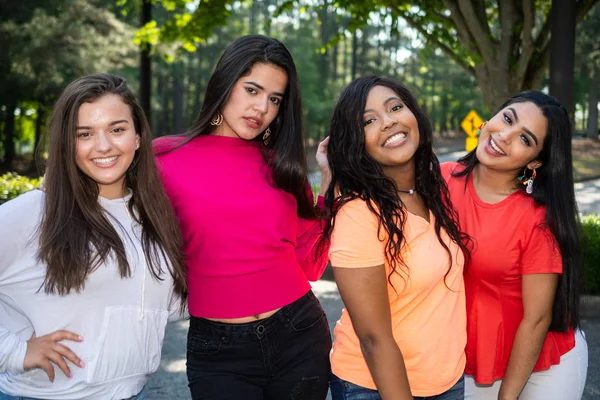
<point>127,345</point>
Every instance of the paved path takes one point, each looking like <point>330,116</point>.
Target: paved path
<point>170,382</point>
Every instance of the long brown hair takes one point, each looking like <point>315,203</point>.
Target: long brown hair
<point>76,236</point>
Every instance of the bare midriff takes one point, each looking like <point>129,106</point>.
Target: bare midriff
<point>245,320</point>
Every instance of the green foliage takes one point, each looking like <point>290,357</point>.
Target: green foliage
<point>591,260</point>
<point>190,23</point>
<point>13,185</point>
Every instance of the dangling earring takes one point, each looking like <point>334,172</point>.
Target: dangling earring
<point>480,128</point>
<point>528,182</point>
<point>216,119</point>
<point>267,136</point>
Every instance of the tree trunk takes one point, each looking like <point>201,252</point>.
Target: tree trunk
<point>199,94</point>
<point>592,127</point>
<point>253,7</point>
<point>178,124</point>
<point>9,134</point>
<point>39,119</point>
<point>324,56</point>
<point>354,54</point>
<point>562,53</point>
<point>267,16</point>
<point>161,120</point>
<point>146,64</point>
<point>346,61</point>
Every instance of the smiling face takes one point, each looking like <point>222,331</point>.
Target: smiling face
<point>513,138</point>
<point>254,102</point>
<point>106,143</point>
<point>391,129</point>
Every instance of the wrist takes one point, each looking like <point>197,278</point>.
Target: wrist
<point>503,395</point>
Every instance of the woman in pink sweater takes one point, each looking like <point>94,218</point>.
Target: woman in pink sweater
<point>238,183</point>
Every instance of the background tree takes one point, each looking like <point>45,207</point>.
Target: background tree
<point>504,44</point>
<point>44,47</point>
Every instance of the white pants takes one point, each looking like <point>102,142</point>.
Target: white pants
<point>564,381</point>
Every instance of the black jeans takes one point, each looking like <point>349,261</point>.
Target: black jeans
<point>285,356</point>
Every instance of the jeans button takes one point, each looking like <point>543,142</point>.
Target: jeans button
<point>260,329</point>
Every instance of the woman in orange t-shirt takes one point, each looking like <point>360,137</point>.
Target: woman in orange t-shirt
<point>515,198</point>
<point>396,252</point>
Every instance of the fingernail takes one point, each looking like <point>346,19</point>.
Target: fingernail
<point>79,338</point>
<point>70,375</point>
<point>81,364</point>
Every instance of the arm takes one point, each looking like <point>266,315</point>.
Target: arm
<point>364,292</point>
<point>312,257</point>
<point>20,218</point>
<point>538,297</point>
<point>13,352</point>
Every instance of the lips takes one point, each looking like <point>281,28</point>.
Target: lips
<point>493,146</point>
<point>395,140</point>
<point>105,161</point>
<point>253,122</point>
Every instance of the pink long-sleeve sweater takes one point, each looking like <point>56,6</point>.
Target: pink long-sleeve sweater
<point>246,250</point>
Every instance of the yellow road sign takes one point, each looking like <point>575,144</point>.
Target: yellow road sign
<point>471,123</point>
<point>471,143</point>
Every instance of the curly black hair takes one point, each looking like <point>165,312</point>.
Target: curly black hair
<point>355,174</point>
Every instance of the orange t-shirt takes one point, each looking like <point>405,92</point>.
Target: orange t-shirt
<point>510,240</point>
<point>427,309</point>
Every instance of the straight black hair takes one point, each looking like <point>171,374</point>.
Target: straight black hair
<point>285,151</point>
<point>554,188</point>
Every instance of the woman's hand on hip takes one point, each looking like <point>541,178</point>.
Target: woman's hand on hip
<point>44,350</point>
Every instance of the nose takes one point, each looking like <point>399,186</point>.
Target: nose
<point>507,134</point>
<point>262,104</point>
<point>103,143</point>
<point>387,122</point>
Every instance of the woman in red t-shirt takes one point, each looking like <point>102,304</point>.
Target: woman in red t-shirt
<point>515,198</point>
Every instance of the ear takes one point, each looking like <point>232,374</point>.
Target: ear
<point>534,165</point>
<point>137,141</point>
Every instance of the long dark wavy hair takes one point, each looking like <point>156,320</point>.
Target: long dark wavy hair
<point>285,151</point>
<point>76,236</point>
<point>355,174</point>
<point>553,188</point>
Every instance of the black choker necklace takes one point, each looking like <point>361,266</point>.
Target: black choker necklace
<point>409,191</point>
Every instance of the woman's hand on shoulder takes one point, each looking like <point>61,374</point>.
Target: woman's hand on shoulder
<point>323,163</point>
<point>44,350</point>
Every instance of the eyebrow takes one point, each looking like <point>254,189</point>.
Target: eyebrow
<point>386,102</point>
<point>527,131</point>
<point>262,88</point>
<point>121,121</point>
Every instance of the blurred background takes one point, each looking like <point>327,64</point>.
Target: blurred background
<point>455,58</point>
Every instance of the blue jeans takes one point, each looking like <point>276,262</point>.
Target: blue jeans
<point>143,395</point>
<point>284,356</point>
<point>344,390</point>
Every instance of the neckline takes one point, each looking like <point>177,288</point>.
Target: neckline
<point>471,187</point>
<point>421,219</point>
<point>120,200</point>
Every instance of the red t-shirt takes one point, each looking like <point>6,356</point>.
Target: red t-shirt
<point>510,240</point>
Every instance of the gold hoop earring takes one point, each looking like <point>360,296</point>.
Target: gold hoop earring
<point>217,120</point>
<point>267,136</point>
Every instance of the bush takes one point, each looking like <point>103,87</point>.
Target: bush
<point>591,255</point>
<point>13,185</point>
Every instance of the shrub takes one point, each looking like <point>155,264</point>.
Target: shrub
<point>591,255</point>
<point>13,185</point>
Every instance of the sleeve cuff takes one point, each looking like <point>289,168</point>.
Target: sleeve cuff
<point>18,358</point>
